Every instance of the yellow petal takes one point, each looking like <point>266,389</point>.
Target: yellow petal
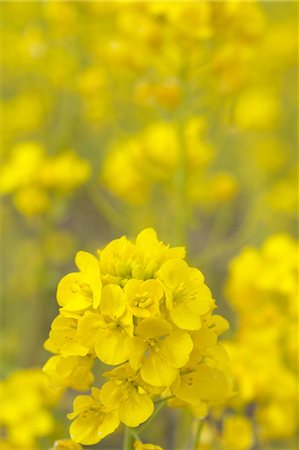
<point>65,293</point>
<point>153,327</point>
<point>206,384</point>
<point>113,302</point>
<point>157,372</point>
<point>184,317</point>
<point>173,272</point>
<point>111,347</point>
<point>111,394</point>
<point>146,237</point>
<point>88,326</point>
<point>136,349</point>
<point>85,430</point>
<point>90,268</point>
<point>77,303</point>
<point>135,408</point>
<point>73,349</point>
<point>176,348</point>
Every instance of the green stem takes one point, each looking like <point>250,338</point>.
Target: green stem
<point>199,428</point>
<point>131,435</point>
<point>165,399</point>
<point>180,182</point>
<point>104,207</point>
<point>155,413</point>
<point>128,439</point>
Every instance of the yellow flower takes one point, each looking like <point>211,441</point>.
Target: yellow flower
<point>63,338</point>
<point>31,200</point>
<point>142,307</point>
<point>78,291</point>
<point>116,260</point>
<point>23,166</point>
<point>138,445</point>
<point>106,332</point>
<point>65,171</point>
<point>258,109</point>
<point>121,260</point>
<point>66,444</point>
<point>25,417</point>
<point>158,351</point>
<point>152,253</point>
<point>92,420</point>
<point>187,297</point>
<point>205,383</point>
<point>127,392</point>
<point>237,433</point>
<point>143,297</point>
<point>73,372</point>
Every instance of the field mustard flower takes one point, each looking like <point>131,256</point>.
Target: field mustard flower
<point>237,433</point>
<point>78,291</point>
<point>187,297</point>
<point>73,372</point>
<point>265,279</point>
<point>143,297</point>
<point>137,306</point>
<point>138,445</point>
<point>25,415</point>
<point>92,420</point>
<point>66,444</point>
<point>159,351</point>
<point>126,391</point>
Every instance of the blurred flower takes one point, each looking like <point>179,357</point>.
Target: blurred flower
<point>237,433</point>
<point>263,352</point>
<point>138,445</point>
<point>30,176</point>
<point>66,444</point>
<point>25,416</point>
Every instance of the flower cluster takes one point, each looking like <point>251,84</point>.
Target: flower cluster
<point>264,350</point>
<point>25,399</point>
<point>32,176</point>
<point>136,167</point>
<point>141,308</point>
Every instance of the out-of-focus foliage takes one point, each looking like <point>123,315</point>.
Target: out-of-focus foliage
<point>179,116</point>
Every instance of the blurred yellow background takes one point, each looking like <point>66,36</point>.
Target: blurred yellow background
<point>177,115</point>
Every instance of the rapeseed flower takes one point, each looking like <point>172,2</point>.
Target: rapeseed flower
<point>266,280</point>
<point>25,416</point>
<point>32,177</point>
<point>66,444</point>
<point>92,420</point>
<point>140,307</point>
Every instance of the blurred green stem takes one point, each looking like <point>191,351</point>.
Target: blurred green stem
<point>198,431</point>
<point>180,184</point>
<point>105,209</point>
<point>182,435</point>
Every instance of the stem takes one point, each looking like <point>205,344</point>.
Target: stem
<point>180,183</point>
<point>128,439</point>
<point>199,428</point>
<point>106,209</point>
<point>155,413</point>
<point>165,399</point>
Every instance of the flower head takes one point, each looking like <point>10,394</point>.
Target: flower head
<point>140,307</point>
